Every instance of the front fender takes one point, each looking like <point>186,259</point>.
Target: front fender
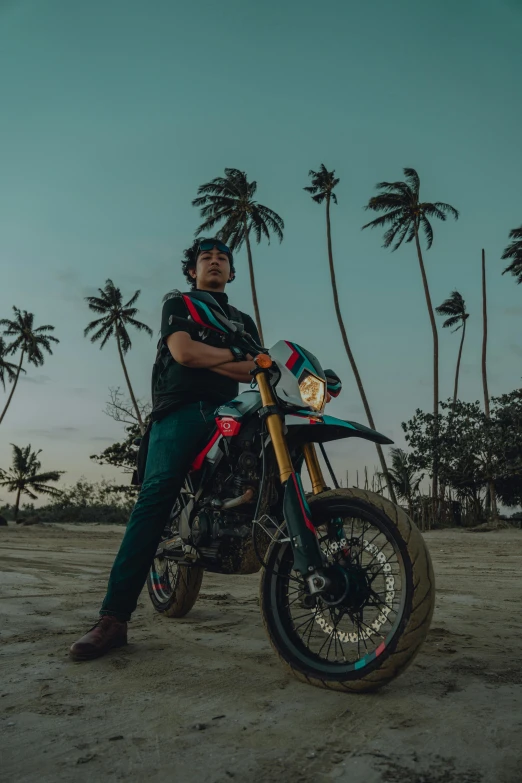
<point>306,427</point>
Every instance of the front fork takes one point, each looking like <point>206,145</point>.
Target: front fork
<point>308,557</point>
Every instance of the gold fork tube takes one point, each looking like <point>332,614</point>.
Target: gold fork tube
<point>275,428</point>
<point>314,468</point>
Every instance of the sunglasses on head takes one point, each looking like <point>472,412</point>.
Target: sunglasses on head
<point>209,244</point>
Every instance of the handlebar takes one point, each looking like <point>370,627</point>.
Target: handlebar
<point>242,340</point>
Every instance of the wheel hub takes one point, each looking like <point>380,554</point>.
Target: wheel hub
<point>337,587</point>
<point>360,589</point>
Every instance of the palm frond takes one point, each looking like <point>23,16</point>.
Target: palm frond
<point>45,328</point>
<point>406,225</point>
<point>455,320</point>
<point>28,339</point>
<point>26,491</point>
<point>50,475</point>
<point>140,326</point>
<point>323,184</point>
<point>396,233</point>
<point>7,369</point>
<point>42,489</point>
<point>513,252</point>
<point>432,211</point>
<point>105,331</point>
<point>413,180</point>
<point>133,299</point>
<point>447,209</point>
<point>397,215</point>
<point>125,340</point>
<point>95,324</point>
<point>208,224</point>
<point>229,200</point>
<point>428,230</point>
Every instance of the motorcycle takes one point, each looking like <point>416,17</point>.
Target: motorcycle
<point>347,587</point>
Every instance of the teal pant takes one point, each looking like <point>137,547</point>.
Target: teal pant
<point>174,443</point>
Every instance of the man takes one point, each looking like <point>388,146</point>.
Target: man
<point>190,379</point>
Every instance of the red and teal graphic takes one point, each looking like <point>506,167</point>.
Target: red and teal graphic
<point>299,360</point>
<point>362,662</point>
<point>158,585</point>
<point>334,388</point>
<point>198,462</point>
<point>202,314</point>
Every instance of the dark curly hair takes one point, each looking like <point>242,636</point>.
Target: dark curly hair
<point>190,257</point>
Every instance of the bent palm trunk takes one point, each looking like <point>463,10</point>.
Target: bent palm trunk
<point>456,389</point>
<point>253,284</point>
<point>14,387</point>
<point>350,354</point>
<point>435,359</point>
<point>491,484</point>
<point>133,398</point>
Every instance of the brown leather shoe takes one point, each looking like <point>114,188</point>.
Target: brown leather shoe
<point>108,632</point>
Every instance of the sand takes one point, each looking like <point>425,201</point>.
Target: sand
<point>205,699</point>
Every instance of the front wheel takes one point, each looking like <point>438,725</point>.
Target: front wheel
<point>378,610</point>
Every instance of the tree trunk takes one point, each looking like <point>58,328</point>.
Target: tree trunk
<point>133,398</point>
<point>17,504</point>
<point>455,392</point>
<point>14,387</point>
<point>491,485</point>
<point>253,284</point>
<point>435,360</point>
<point>349,353</point>
<point>484,336</point>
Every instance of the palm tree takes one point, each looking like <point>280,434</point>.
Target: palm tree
<point>406,215</point>
<point>491,485</point>
<point>29,341</point>
<point>321,190</point>
<point>6,368</point>
<point>403,478</point>
<point>24,477</point>
<point>116,318</point>
<point>455,308</point>
<point>514,252</point>
<point>229,199</point>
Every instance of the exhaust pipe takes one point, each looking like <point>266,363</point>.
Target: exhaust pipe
<point>233,502</point>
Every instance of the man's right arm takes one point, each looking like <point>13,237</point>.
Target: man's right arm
<point>191,353</point>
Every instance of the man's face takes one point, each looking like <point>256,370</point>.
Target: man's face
<point>212,271</point>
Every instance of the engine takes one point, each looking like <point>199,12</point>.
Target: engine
<point>221,525</point>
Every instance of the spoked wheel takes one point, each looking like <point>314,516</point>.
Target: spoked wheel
<point>173,588</point>
<point>369,625</point>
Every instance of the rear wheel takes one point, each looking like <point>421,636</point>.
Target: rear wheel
<point>173,588</point>
<point>371,624</point>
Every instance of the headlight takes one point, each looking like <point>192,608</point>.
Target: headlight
<point>313,392</point>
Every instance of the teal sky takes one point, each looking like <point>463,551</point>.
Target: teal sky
<point>113,113</point>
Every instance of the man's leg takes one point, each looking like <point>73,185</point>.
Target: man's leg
<point>174,443</point>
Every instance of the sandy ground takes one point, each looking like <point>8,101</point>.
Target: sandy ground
<point>205,699</point>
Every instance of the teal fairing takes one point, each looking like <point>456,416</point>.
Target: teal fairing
<point>304,426</point>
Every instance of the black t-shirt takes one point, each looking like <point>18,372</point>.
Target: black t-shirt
<point>173,384</point>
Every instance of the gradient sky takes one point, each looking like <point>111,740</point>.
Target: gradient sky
<point>113,113</point>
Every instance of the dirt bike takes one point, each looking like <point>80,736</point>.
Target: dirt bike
<point>347,587</point>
